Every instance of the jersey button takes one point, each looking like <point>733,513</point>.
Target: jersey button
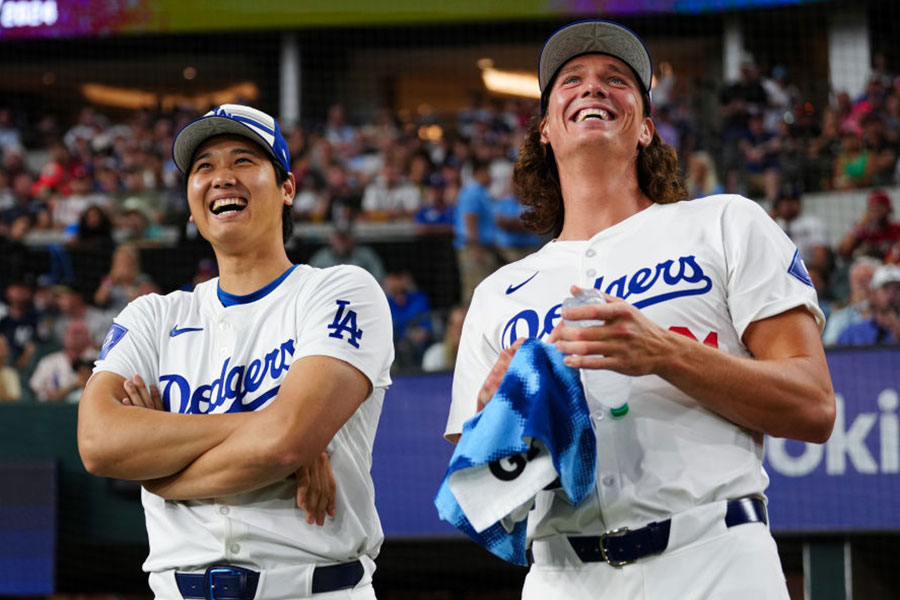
<point>590,272</point>
<point>224,510</point>
<point>234,548</point>
<point>599,415</point>
<point>608,480</point>
<point>590,252</point>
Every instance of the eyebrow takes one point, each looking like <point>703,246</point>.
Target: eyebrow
<point>239,150</point>
<point>610,66</point>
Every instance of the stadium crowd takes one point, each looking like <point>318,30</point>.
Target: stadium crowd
<point>111,186</point>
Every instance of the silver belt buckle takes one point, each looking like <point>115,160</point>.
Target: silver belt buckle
<point>613,533</point>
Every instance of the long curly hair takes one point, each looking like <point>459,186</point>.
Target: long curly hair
<point>536,177</point>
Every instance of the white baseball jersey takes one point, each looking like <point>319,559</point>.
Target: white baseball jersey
<point>207,358</point>
<point>705,268</point>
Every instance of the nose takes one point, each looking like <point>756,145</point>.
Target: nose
<point>594,87</point>
<point>223,178</point>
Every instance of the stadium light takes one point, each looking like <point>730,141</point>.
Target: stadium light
<point>511,83</point>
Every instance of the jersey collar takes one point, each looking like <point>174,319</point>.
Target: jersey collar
<point>232,299</point>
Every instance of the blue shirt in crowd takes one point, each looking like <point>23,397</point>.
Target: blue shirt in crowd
<point>474,199</point>
<point>866,333</point>
<point>509,206</point>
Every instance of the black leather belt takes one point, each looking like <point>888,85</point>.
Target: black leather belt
<point>623,546</point>
<point>228,582</point>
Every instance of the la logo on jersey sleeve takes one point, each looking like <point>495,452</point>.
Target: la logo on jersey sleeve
<point>113,336</point>
<point>345,322</point>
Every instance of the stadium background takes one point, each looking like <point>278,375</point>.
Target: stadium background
<point>66,534</point>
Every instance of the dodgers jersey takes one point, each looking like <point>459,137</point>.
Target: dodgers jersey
<point>207,358</point>
<point>705,268</point>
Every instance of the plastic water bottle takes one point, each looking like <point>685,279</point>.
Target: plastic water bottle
<point>610,388</point>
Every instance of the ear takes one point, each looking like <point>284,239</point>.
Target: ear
<point>288,189</point>
<point>543,128</point>
<point>647,130</point>
<point>191,219</point>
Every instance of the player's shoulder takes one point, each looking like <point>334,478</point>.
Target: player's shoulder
<point>337,279</point>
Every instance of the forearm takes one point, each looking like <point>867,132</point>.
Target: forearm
<point>783,397</point>
<point>238,464</point>
<point>127,442</point>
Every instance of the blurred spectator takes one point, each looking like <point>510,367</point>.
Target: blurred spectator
<point>437,211</point>
<point>853,167</point>
<point>411,314</point>
<point>136,226</point>
<point>94,231</point>
<point>513,241</point>
<point>124,282</point>
<point>823,151</point>
<point>760,149</point>
<point>138,194</point>
<point>875,233</point>
<point>883,326</point>
<point>68,208</point>
<point>441,356</point>
<point>341,200</point>
<point>9,134</point>
<point>857,308</point>
<point>72,307</point>
<point>808,232</point>
<point>18,260</point>
<point>7,198</point>
<point>337,130</point>
<point>55,377</point>
<point>780,97</point>
<point>390,196</point>
<point>20,324</point>
<point>475,231</point>
<point>206,270</point>
<point>702,180</point>
<point>10,386</point>
<point>342,249</point>
<point>882,152</point>
<point>736,102</point>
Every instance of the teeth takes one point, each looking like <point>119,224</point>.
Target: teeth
<point>223,204</point>
<point>592,112</point>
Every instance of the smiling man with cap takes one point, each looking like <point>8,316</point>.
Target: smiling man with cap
<point>247,407</point>
<point>709,329</point>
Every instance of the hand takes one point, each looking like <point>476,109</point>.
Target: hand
<point>492,382</point>
<point>316,490</point>
<point>627,342</point>
<point>138,394</point>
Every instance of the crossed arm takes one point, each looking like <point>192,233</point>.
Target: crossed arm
<point>199,456</point>
<point>784,390</point>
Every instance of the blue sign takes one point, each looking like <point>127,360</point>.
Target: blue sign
<point>851,482</point>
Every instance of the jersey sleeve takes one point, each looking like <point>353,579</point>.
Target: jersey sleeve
<point>474,360</point>
<point>130,346</point>
<point>346,316</point>
<point>764,271</point>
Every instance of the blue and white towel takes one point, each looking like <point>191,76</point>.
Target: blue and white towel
<point>535,428</point>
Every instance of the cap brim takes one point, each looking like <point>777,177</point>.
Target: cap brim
<point>199,130</point>
<point>595,36</point>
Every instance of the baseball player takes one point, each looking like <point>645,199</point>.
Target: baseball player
<point>710,314</point>
<point>251,377</point>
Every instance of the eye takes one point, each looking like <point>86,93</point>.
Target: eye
<point>570,79</point>
<point>201,165</point>
<point>618,80</point>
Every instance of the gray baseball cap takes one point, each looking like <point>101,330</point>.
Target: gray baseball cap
<point>234,119</point>
<point>595,35</point>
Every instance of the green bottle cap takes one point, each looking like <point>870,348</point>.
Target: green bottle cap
<point>619,411</point>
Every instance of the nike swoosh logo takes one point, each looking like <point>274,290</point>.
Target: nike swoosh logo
<point>175,331</point>
<point>512,289</point>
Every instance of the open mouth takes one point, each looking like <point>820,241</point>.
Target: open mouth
<point>593,113</point>
<point>227,205</point>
